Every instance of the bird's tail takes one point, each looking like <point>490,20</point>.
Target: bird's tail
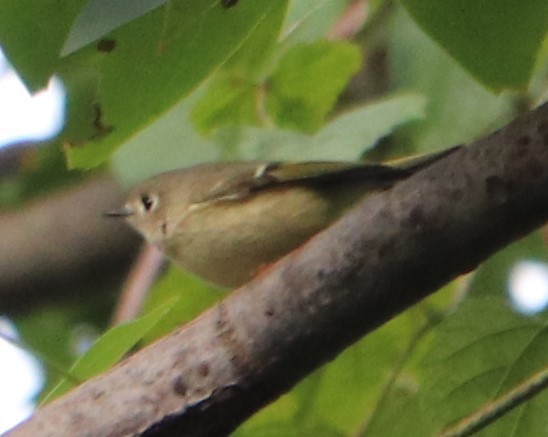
<point>418,162</point>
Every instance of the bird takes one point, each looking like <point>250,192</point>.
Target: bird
<point>225,221</point>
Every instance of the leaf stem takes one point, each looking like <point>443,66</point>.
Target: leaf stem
<point>499,407</point>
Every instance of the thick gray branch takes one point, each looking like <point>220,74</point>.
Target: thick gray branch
<point>56,243</point>
<point>389,252</point>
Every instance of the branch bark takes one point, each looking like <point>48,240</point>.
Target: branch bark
<point>54,244</point>
<point>389,252</point>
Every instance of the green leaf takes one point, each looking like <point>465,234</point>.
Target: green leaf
<point>310,20</point>
<point>59,329</point>
<point>397,410</point>
<point>176,145</point>
<point>156,61</point>
<point>233,96</point>
<point>459,109</point>
<point>308,81</point>
<point>492,278</point>
<point>401,415</point>
<point>483,351</point>
<point>496,41</point>
<point>344,138</point>
<point>341,395</point>
<point>32,33</point>
<point>99,17</point>
<point>192,296</point>
<point>483,340</point>
<point>288,430</point>
<point>110,348</point>
<point>229,101</point>
<point>363,127</point>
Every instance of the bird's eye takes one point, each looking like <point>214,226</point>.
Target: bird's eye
<point>147,201</point>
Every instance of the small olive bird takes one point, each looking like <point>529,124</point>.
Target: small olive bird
<point>224,221</point>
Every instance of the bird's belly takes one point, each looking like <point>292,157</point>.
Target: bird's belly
<point>253,234</point>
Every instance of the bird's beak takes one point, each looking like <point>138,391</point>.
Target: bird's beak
<point>125,211</point>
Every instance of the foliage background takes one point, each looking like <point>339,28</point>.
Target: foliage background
<point>155,85</point>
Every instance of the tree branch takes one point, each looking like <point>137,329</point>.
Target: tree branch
<point>55,244</point>
<point>389,252</point>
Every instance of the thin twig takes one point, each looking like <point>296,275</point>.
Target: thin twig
<point>136,286</point>
<point>350,22</point>
<point>499,407</point>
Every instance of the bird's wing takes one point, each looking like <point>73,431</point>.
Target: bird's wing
<point>263,175</point>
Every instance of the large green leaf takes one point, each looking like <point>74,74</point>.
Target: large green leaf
<point>32,33</point>
<point>483,351</point>
<point>459,109</point>
<point>99,17</point>
<point>289,430</point>
<point>345,137</point>
<point>232,96</point>
<point>486,348</point>
<point>308,81</point>
<point>495,40</point>
<point>479,354</point>
<point>176,145</point>
<point>192,297</point>
<point>156,61</point>
<point>298,94</point>
<point>110,348</point>
<point>229,101</point>
<point>340,396</point>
